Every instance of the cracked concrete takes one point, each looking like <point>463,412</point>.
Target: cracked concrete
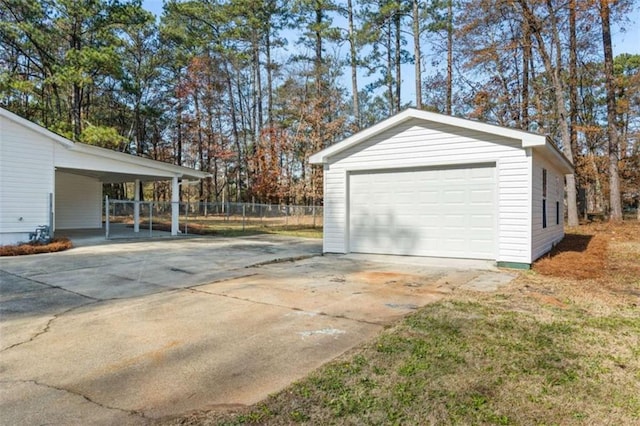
<point>71,408</point>
<point>180,325</point>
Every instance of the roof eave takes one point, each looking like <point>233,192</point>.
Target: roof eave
<point>322,157</point>
<point>556,156</point>
<point>36,128</point>
<point>179,171</point>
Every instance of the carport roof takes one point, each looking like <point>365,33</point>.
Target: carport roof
<point>115,167</point>
<point>104,164</point>
<point>540,143</point>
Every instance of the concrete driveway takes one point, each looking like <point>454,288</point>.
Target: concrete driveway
<point>131,332</point>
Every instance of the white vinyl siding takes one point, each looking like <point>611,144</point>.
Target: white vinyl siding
<point>543,239</point>
<point>78,202</point>
<point>416,143</point>
<point>26,180</point>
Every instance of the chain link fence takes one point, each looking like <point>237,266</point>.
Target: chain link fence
<point>208,218</point>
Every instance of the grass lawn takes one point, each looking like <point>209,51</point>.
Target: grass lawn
<point>236,228</point>
<point>559,345</point>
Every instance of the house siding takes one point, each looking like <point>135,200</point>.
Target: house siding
<point>415,143</point>
<point>26,180</point>
<point>78,202</point>
<point>543,239</point>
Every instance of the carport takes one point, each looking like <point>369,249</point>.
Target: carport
<point>60,185</point>
<point>81,172</point>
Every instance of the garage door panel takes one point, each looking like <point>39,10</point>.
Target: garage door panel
<point>481,197</point>
<point>436,212</point>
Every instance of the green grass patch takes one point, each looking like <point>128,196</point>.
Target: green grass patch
<point>473,363</point>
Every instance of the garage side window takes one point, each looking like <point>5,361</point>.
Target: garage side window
<point>544,198</point>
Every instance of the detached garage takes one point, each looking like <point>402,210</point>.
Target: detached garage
<point>426,184</point>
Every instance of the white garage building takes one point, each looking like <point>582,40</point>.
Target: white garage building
<point>46,179</point>
<point>426,184</point>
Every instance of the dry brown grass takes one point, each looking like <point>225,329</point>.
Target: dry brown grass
<point>234,228</point>
<point>596,263</point>
<point>580,256</point>
<point>584,254</point>
<point>57,244</point>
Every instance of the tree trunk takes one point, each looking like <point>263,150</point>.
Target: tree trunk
<point>234,126</point>
<point>76,113</point>
<point>573,77</point>
<point>389,74</point>
<point>526,58</point>
<point>258,90</point>
<point>449,96</point>
<point>558,89</point>
<point>416,52</point>
<point>178,153</point>
<point>318,58</point>
<point>397,20</point>
<point>269,78</point>
<point>612,131</point>
<point>354,66</point>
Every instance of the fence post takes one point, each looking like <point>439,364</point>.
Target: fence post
<point>186,217</point>
<point>244,205</point>
<point>136,206</point>
<point>150,219</point>
<point>313,211</point>
<point>106,215</point>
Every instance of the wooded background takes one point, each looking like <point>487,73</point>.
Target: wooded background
<point>248,89</point>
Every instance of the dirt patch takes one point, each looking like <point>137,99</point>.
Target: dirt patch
<point>382,278</point>
<point>548,300</point>
<point>57,244</point>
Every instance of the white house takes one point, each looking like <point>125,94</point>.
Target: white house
<point>46,179</point>
<point>426,184</point>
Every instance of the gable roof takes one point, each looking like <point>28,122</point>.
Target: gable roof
<point>540,143</point>
<point>35,127</point>
<point>146,166</point>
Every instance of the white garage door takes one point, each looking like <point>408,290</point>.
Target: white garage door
<point>445,212</point>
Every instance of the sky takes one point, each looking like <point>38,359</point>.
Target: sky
<point>624,42</point>
<point>625,39</point>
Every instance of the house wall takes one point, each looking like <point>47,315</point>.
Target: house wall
<point>415,143</point>
<point>26,180</point>
<point>543,239</point>
<point>78,202</point>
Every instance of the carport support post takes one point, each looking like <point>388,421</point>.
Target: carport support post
<point>136,206</point>
<point>175,205</point>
